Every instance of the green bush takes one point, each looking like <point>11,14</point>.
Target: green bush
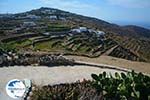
<point>7,47</point>
<point>130,86</point>
<point>57,28</point>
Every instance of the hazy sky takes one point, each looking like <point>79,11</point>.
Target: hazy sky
<point>116,11</point>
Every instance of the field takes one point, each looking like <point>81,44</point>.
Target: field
<point>86,44</point>
<point>139,47</point>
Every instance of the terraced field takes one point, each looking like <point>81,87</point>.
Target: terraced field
<point>51,45</point>
<point>120,52</point>
<point>138,47</point>
<point>85,44</point>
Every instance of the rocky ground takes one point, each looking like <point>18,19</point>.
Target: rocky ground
<point>12,59</point>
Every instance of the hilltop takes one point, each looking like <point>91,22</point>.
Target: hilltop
<point>54,30</point>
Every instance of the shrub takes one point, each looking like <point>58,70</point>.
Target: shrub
<point>73,91</point>
<point>130,86</point>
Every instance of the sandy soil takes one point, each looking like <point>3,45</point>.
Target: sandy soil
<point>45,75</point>
<point>133,65</point>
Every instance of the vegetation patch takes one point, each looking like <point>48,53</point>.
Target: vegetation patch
<point>7,47</point>
<point>53,45</point>
<point>130,86</point>
<point>57,28</point>
<point>74,91</point>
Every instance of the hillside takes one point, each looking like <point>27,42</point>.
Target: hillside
<point>44,12</point>
<point>52,33</point>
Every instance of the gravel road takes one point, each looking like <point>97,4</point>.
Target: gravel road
<point>42,75</point>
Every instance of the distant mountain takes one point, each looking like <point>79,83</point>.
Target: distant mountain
<point>138,31</point>
<point>130,30</point>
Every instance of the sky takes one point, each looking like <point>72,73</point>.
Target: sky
<point>122,12</point>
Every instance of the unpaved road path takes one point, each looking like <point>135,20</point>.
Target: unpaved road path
<point>42,75</point>
<point>122,63</point>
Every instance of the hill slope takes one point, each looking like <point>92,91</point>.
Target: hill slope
<point>131,42</point>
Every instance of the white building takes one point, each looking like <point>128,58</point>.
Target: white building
<point>83,29</point>
<point>53,17</point>
<point>80,29</point>
<point>48,11</point>
<point>100,32</point>
<point>46,33</point>
<point>33,17</point>
<point>28,24</point>
<point>76,30</point>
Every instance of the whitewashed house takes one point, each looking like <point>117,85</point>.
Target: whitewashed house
<point>79,30</point>
<point>46,33</point>
<point>100,32</point>
<point>76,30</point>
<point>48,11</point>
<point>53,17</point>
<point>28,24</point>
<point>83,29</point>
<point>33,17</point>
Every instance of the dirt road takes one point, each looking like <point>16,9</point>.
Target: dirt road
<point>41,75</point>
<point>122,63</point>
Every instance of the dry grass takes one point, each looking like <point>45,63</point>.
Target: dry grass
<point>73,91</point>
